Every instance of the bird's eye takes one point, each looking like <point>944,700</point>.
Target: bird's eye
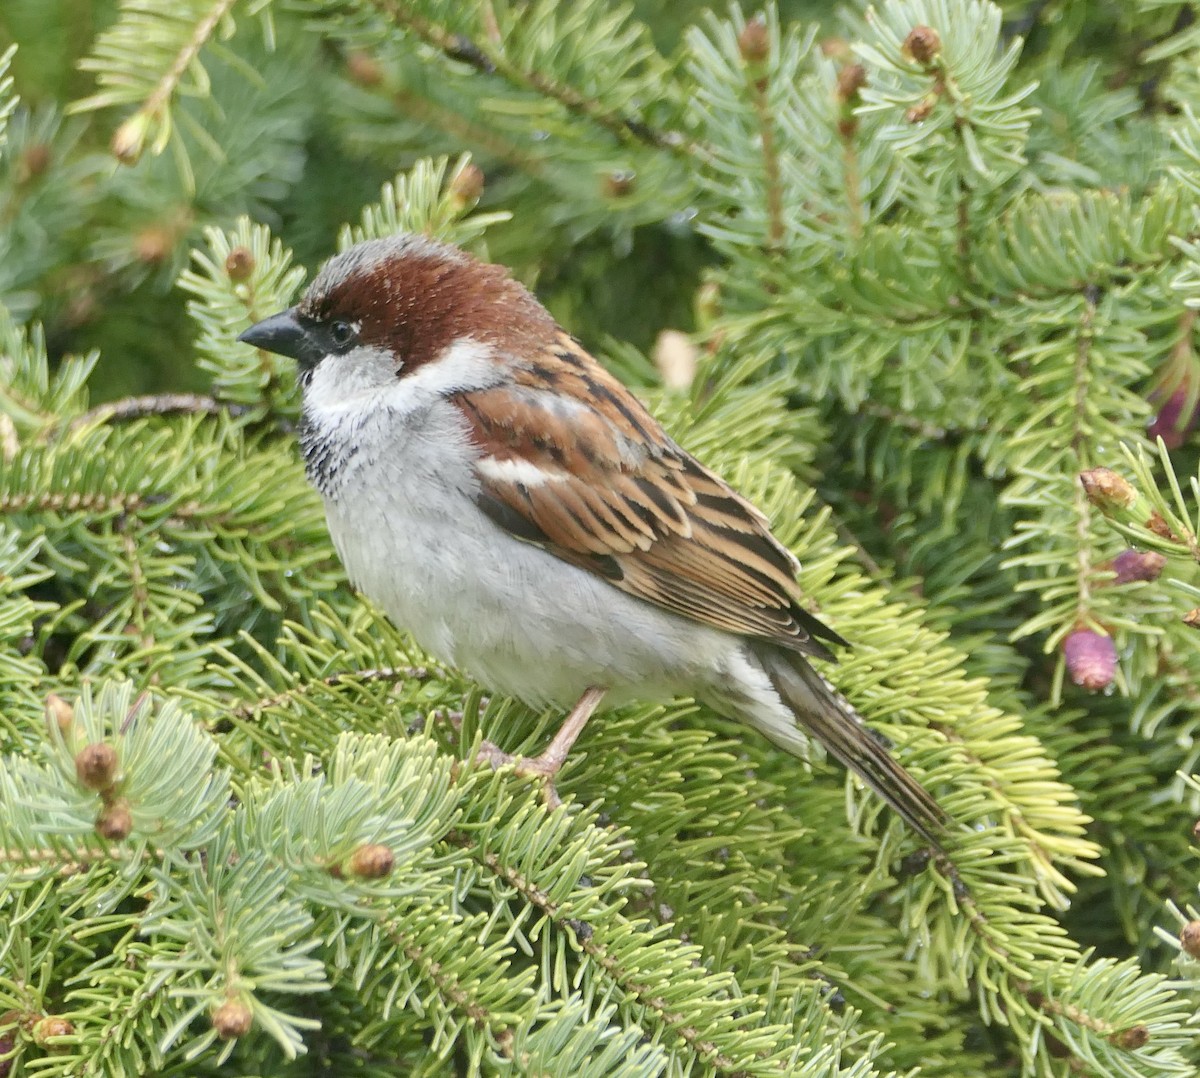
<point>341,332</point>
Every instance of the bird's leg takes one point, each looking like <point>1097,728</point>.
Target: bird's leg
<point>547,764</point>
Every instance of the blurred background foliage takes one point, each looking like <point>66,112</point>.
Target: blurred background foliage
<point>92,249</point>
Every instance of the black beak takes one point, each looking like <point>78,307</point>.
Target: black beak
<point>285,334</point>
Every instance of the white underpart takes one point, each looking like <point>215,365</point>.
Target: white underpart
<point>515,618</point>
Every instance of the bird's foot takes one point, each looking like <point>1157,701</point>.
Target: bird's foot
<point>541,768</point>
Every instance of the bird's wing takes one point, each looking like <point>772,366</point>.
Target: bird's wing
<point>574,464</point>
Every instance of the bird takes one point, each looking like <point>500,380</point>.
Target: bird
<point>511,504</point>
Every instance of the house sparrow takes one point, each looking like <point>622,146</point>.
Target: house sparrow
<point>511,504</point>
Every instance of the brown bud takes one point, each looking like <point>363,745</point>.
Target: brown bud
<point>96,765</point>
<point>239,263</point>
<point>153,244</point>
<point>59,714</point>
<point>129,139</point>
<point>1161,528</point>
<point>754,42</point>
<point>363,68</point>
<point>467,187</point>
<point>1107,490</point>
<point>232,1020</point>
<point>922,44</point>
<point>1176,418</point>
<point>837,48</point>
<point>34,160</point>
<point>920,112</point>
<point>1189,938</point>
<point>851,79</point>
<point>1132,565</point>
<point>1132,1038</point>
<point>115,821</point>
<point>371,861</point>
<point>619,183</point>
<point>1196,831</point>
<point>51,1025</point>
<point>1091,659</point>
<point>1192,620</point>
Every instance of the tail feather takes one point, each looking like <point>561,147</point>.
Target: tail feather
<point>837,726</point>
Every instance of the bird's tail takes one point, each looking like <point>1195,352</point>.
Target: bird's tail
<point>835,724</point>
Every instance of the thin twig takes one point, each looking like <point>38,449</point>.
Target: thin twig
<point>156,103</point>
<point>490,61</point>
<point>120,411</point>
<point>349,677</point>
<point>1083,508</point>
<point>595,950</point>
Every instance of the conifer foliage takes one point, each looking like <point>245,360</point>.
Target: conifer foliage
<point>939,261</point>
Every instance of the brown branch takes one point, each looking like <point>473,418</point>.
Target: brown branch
<point>155,104</point>
<point>350,677</point>
<point>490,61</point>
<point>1083,507</point>
<point>487,139</point>
<point>139,591</point>
<point>766,128</point>
<point>452,992</point>
<point>585,936</point>
<point>120,411</point>
<point>116,502</point>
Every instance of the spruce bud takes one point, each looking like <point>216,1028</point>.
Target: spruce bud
<point>919,113</point>
<point>371,861</point>
<point>1172,424</point>
<point>1192,620</point>
<point>1091,659</point>
<point>153,245</point>
<point>96,765</point>
<point>115,821</point>
<point>1131,565</point>
<point>363,68</point>
<point>59,714</point>
<point>34,160</point>
<point>754,42</point>
<point>1106,490</point>
<point>466,188</point>
<point>1189,938</point>
<point>922,44</point>
<point>239,263</point>
<point>130,138</point>
<point>50,1025</point>
<point>1133,1038</point>
<point>619,183</point>
<point>851,79</point>
<point>232,1020</point>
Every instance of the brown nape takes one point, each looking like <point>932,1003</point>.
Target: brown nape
<point>416,305</point>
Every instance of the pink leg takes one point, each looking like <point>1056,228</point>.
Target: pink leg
<point>546,765</point>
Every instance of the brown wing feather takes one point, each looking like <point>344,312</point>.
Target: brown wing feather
<point>577,466</point>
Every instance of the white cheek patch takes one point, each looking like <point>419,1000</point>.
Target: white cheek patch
<point>339,378</point>
<point>367,379</point>
<point>517,471</point>
<point>466,364</point>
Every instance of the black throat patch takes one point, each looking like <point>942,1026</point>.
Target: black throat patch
<point>325,455</point>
